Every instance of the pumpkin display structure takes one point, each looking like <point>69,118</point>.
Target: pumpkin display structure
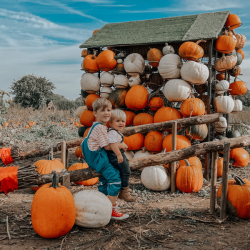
<point>233,21</point>
<point>142,119</point>
<point>225,43</point>
<point>191,50</point>
<point>106,60</point>
<point>137,98</point>
<point>189,178</point>
<point>154,56</point>
<point>90,64</point>
<point>134,142</point>
<point>181,142</point>
<point>90,99</point>
<point>155,103</point>
<point>192,107</point>
<point>238,88</point>
<point>53,210</point>
<point>197,132</point>
<point>238,197</point>
<point>87,118</point>
<point>153,141</point>
<point>118,97</point>
<point>239,157</point>
<point>129,117</point>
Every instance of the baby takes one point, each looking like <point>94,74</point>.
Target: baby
<point>116,156</point>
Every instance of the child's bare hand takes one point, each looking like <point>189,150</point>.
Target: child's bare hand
<point>120,159</point>
<point>124,146</point>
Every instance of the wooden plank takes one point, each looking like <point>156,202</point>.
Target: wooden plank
<point>213,181</point>
<point>66,180</point>
<point>63,153</point>
<point>173,164</point>
<point>67,158</point>
<point>223,206</point>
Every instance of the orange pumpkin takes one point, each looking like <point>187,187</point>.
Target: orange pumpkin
<point>193,107</point>
<point>238,88</point>
<point>233,21</point>
<point>156,103</point>
<point>134,142</point>
<point>153,141</point>
<point>195,161</point>
<point>84,53</point>
<point>137,98</point>
<point>221,77</point>
<point>129,117</point>
<point>165,114</point>
<point>191,50</point>
<point>240,157</point>
<point>78,152</point>
<point>117,98</point>
<point>242,53</point>
<point>143,118</point>
<point>219,167</point>
<point>95,31</point>
<point>90,99</point>
<point>181,142</point>
<point>90,64</point>
<point>235,71</point>
<point>86,132</point>
<point>87,118</point>
<point>189,178</point>
<point>154,56</point>
<point>225,43</point>
<point>106,60</point>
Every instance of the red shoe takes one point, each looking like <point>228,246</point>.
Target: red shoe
<point>116,215</point>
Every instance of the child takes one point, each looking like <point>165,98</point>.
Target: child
<point>93,149</point>
<point>116,156</point>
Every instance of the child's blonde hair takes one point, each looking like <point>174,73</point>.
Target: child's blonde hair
<point>101,103</point>
<point>117,113</point>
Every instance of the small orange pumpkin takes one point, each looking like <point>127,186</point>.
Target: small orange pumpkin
<point>137,98</point>
<point>238,88</point>
<point>233,21</point>
<point>221,77</point>
<point>156,103</point>
<point>87,118</point>
<point>129,117</point>
<point>154,56</point>
<point>142,119</point>
<point>242,53</point>
<point>240,157</point>
<point>84,53</point>
<point>106,60</point>
<point>193,107</point>
<point>90,99</point>
<point>134,142</point>
<point>181,142</point>
<point>78,152</point>
<point>90,64</point>
<point>191,50</point>
<point>153,141</point>
<point>225,43</point>
<point>118,97</point>
<point>95,31</point>
<point>86,132</point>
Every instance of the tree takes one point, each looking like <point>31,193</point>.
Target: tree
<point>32,91</point>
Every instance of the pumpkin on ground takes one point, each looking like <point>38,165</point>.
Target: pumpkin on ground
<point>219,167</point>
<point>233,21</point>
<point>177,90</point>
<point>90,83</point>
<point>197,132</point>
<point>90,64</point>
<point>118,97</point>
<point>225,62</point>
<point>142,119</point>
<point>238,197</point>
<point>194,161</point>
<point>191,50</point>
<point>238,88</point>
<point>189,178</point>
<point>192,107</point>
<point>89,182</point>
<point>153,141</point>
<point>155,178</point>
<point>156,103</point>
<point>129,117</point>
<point>239,157</point>
<point>154,56</point>
<point>137,98</point>
<point>87,118</point>
<point>90,99</point>
<point>223,104</point>
<point>78,152</point>
<point>225,43</point>
<point>79,110</point>
<point>106,60</point>
<point>93,209</point>
<point>107,79</point>
<point>134,142</point>
<point>134,64</point>
<point>53,210</point>
<point>181,142</point>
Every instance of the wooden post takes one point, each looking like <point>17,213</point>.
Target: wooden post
<point>67,158</point>
<point>63,153</point>
<point>213,181</point>
<point>223,205</point>
<point>66,180</point>
<point>173,164</point>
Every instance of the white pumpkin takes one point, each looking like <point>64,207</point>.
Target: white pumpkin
<point>134,64</point>
<point>79,110</point>
<point>134,80</point>
<point>107,79</point>
<point>194,72</point>
<point>237,105</point>
<point>170,66</point>
<point>105,92</point>
<point>221,125</point>
<point>142,153</point>
<point>221,87</point>
<point>224,104</point>
<point>168,49</point>
<point>90,83</point>
<point>155,178</point>
<point>93,209</point>
<point>129,154</point>
<point>119,60</point>
<point>177,90</point>
<point>121,82</point>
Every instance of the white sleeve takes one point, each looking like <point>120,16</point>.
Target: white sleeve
<point>112,134</point>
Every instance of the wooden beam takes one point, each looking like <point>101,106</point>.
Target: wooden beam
<point>63,153</point>
<point>213,181</point>
<point>173,164</point>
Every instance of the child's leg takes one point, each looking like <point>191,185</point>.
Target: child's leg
<point>103,185</point>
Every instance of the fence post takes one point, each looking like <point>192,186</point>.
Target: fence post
<point>223,205</point>
<point>63,153</point>
<point>213,181</point>
<point>173,164</point>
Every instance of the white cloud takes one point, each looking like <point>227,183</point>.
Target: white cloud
<point>93,1</point>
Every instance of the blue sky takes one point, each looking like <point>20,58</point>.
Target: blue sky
<point>43,36</point>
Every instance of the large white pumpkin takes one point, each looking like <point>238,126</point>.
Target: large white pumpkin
<point>168,49</point>
<point>79,110</point>
<point>105,92</point>
<point>155,178</point>
<point>142,153</point>
<point>93,209</point>
<point>237,105</point>
<point>90,83</point>
<point>134,64</point>
<point>221,125</point>
<point>221,87</point>
<point>223,104</point>
<point>121,82</point>
<point>177,90</point>
<point>107,79</point>
<point>194,72</point>
<point>134,80</point>
<point>129,154</point>
<point>170,66</point>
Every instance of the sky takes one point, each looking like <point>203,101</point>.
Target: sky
<point>42,37</point>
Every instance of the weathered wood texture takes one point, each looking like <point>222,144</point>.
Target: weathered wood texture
<point>213,181</point>
<point>173,164</point>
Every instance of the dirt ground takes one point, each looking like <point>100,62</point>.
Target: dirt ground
<point>158,220</point>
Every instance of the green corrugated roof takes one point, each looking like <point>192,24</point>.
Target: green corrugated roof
<point>171,29</point>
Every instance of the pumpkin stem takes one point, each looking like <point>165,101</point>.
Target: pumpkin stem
<point>143,150</point>
<point>239,181</point>
<point>166,44</point>
<point>187,162</point>
<point>94,54</point>
<point>55,180</point>
<point>201,41</point>
<point>50,154</point>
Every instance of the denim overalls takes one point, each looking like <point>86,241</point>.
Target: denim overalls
<point>110,181</point>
